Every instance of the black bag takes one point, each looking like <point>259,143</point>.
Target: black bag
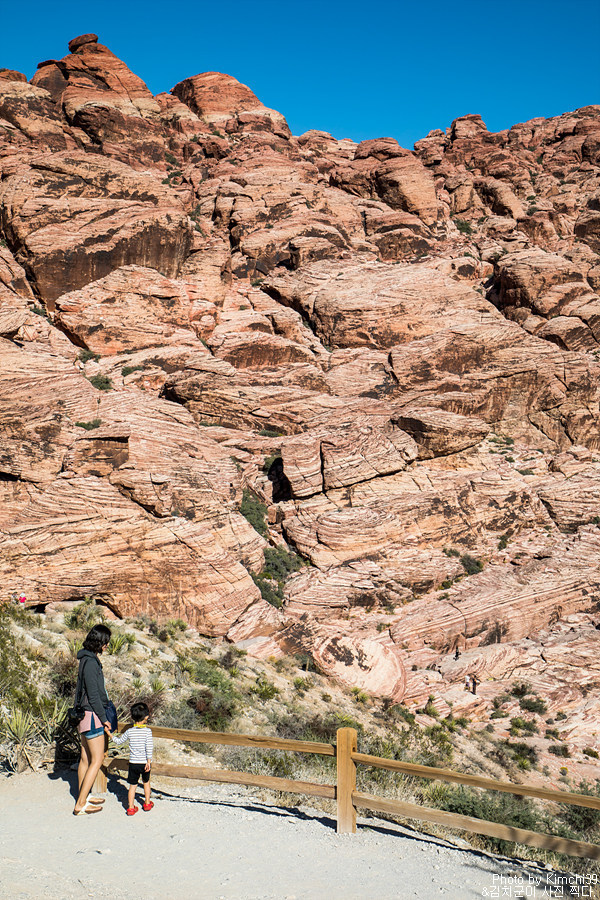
<point>111,717</point>
<point>76,713</point>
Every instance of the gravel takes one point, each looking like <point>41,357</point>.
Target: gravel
<point>214,841</point>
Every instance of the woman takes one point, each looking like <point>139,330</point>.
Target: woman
<point>94,725</point>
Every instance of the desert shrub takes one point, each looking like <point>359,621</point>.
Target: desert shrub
<point>89,426</point>
<point>521,753</point>
<point>118,642</point>
<point>209,673</point>
<point>127,370</point>
<point>503,542</point>
<point>213,708</point>
<point>588,751</point>
<point>359,696</point>
<point>86,355</point>
<point>450,551</point>
<point>533,704</point>
<point>399,711</point>
<point>520,689</point>
<point>429,709</point>
<point>559,750</point>
<point>300,727</point>
<point>85,615</point>
<point>463,226</point>
<point>264,689</point>
<point>269,590</point>
<point>254,510</point>
<point>494,807</point>
<point>16,683</point>
<point>470,564</point>
<point>101,382</point>
<point>582,819</point>
<point>517,724</point>
<point>279,564</point>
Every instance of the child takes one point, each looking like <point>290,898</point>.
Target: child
<point>140,755</point>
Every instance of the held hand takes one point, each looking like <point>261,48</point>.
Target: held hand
<point>147,767</point>
<point>107,728</point>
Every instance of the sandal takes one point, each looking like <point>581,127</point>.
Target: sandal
<point>87,811</point>
<point>147,806</point>
<point>132,810</point>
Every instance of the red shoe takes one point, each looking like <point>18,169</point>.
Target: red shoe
<point>147,806</point>
<point>132,810</point>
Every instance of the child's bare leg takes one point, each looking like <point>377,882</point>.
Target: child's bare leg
<point>147,790</point>
<point>131,796</point>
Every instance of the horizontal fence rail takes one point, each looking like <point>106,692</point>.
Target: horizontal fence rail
<point>349,799</point>
<point>226,776</point>
<point>477,826</point>
<point>489,784</point>
<point>223,738</point>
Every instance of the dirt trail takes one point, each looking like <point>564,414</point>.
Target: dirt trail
<point>213,842</point>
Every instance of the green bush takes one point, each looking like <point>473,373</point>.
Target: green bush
<point>86,355</point>
<point>559,750</point>
<point>127,370</point>
<point>279,564</point>
<point>214,709</point>
<point>504,808</point>
<point>264,689</point>
<point>582,819</point>
<point>95,423</point>
<point>588,751</point>
<point>463,226</point>
<point>517,724</point>
<point>470,564</point>
<point>84,616</point>
<point>533,705</point>
<point>254,510</point>
<point>101,382</point>
<point>520,689</point>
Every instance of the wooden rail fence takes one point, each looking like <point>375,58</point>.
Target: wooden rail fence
<point>349,799</point>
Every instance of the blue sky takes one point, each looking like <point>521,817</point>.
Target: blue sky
<point>355,69</point>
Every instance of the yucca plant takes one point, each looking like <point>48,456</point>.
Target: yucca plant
<point>74,645</point>
<point>18,727</point>
<point>117,642</point>
<point>52,714</point>
<point>157,686</point>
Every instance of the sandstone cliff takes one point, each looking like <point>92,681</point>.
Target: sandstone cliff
<point>386,359</point>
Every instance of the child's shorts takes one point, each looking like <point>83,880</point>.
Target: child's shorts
<point>135,770</point>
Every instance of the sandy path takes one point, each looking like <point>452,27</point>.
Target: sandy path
<point>211,842</point>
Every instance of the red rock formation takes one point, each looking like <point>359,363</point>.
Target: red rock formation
<point>393,351</point>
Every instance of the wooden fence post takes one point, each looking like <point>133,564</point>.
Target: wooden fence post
<point>346,780</point>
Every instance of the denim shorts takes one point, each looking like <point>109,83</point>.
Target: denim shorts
<point>95,732</point>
